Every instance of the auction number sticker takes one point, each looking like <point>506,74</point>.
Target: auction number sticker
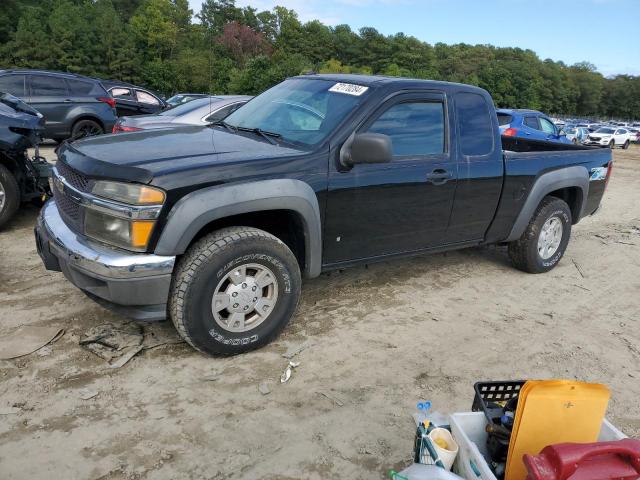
<point>349,89</point>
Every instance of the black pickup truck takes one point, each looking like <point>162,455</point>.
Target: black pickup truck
<point>214,227</point>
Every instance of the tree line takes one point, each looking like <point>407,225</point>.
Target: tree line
<point>223,48</point>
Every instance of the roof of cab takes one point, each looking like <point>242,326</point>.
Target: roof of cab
<point>375,80</point>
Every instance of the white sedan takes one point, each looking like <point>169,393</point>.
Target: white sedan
<point>609,137</point>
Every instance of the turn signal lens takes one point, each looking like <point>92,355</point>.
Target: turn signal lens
<point>140,233</point>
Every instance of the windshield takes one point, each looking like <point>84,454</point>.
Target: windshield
<point>298,110</point>
<point>570,130</point>
<point>186,107</point>
<point>605,130</point>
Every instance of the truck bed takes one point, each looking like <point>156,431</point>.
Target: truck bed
<point>526,160</point>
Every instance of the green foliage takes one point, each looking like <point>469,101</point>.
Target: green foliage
<point>230,49</point>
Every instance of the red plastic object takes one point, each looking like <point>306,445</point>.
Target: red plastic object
<point>619,460</point>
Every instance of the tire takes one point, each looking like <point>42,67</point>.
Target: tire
<point>612,144</point>
<point>574,141</point>
<point>524,252</point>
<point>205,269</point>
<point>9,195</point>
<point>85,128</point>
<point>626,145</point>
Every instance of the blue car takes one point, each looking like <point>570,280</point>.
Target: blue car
<point>529,124</point>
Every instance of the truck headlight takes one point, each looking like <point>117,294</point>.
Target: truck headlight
<point>129,193</point>
<point>121,232</point>
<point>128,216</point>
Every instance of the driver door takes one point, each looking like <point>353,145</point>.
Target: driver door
<point>402,206</point>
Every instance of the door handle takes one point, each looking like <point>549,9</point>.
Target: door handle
<point>438,176</point>
<point>68,100</point>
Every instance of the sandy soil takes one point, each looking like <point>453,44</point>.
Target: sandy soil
<point>381,338</point>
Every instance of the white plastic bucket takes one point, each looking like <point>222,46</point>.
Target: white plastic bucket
<point>446,455</point>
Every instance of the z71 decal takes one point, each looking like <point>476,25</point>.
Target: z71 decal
<point>598,173</point>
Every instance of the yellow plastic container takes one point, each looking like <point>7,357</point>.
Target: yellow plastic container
<point>554,411</point>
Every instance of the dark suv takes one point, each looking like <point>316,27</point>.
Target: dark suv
<point>73,106</point>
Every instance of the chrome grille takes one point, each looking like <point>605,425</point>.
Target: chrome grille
<point>73,177</point>
<point>70,210</point>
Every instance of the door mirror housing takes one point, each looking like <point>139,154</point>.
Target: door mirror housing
<point>369,148</point>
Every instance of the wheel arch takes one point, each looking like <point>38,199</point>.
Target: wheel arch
<point>286,208</point>
<point>570,184</point>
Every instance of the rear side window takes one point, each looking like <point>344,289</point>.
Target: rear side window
<point>474,124</point>
<point>415,128</point>
<point>13,84</point>
<point>46,86</point>
<point>120,92</point>
<point>144,97</point>
<point>222,113</point>
<point>504,119</point>
<point>82,87</point>
<point>531,122</point>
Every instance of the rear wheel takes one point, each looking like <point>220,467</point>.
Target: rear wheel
<point>626,145</point>
<point>575,141</point>
<point>9,195</point>
<point>85,128</point>
<point>234,291</point>
<point>545,239</point>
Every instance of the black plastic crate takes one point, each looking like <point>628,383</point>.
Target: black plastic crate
<point>491,397</point>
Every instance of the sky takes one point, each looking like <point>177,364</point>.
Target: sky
<point>603,32</point>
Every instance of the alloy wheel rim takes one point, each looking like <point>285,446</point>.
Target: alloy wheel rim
<point>550,238</point>
<point>87,131</point>
<point>3,196</point>
<point>244,298</point>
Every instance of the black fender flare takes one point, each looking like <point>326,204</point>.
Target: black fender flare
<point>575,176</point>
<point>197,209</point>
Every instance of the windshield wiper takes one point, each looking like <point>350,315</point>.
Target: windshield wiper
<point>222,123</point>
<point>269,136</point>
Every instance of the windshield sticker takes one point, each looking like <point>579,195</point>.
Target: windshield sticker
<point>599,173</point>
<point>349,89</point>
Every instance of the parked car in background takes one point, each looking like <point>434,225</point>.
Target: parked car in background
<point>576,134</point>
<point>529,124</point>
<point>180,98</point>
<point>609,137</point>
<point>73,106</point>
<point>133,100</point>
<point>203,111</point>
<point>634,133</point>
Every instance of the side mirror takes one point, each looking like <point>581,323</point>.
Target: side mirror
<point>369,148</point>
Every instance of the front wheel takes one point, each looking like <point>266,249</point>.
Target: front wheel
<point>626,145</point>
<point>612,144</point>
<point>234,291</point>
<point>545,239</point>
<point>9,195</point>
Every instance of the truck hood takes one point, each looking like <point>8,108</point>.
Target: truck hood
<point>140,156</point>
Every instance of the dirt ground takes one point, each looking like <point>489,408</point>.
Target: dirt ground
<point>378,340</point>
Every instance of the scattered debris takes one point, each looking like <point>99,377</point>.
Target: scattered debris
<point>263,388</point>
<point>9,410</point>
<point>115,344</point>
<point>126,357</point>
<point>625,243</point>
<point>159,334</point>
<point>27,339</point>
<point>549,314</point>
<point>332,398</point>
<point>580,286</point>
<point>88,394</point>
<point>286,375</point>
<point>579,268</point>
<point>293,351</point>
<point>211,378</point>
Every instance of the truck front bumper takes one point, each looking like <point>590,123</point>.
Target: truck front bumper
<point>133,284</point>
